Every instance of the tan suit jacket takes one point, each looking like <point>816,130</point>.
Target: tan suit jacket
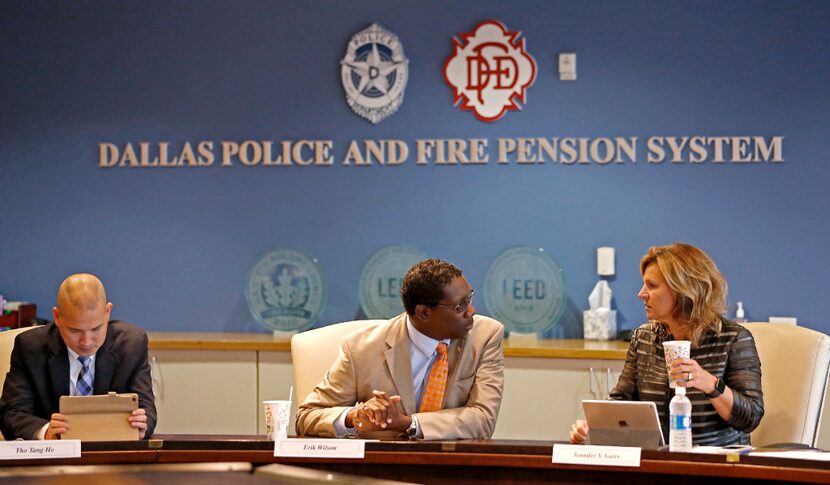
<point>378,358</point>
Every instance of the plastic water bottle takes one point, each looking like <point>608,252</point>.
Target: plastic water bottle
<point>680,421</point>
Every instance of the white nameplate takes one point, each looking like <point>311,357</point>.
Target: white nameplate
<point>596,455</point>
<point>319,448</point>
<point>31,450</point>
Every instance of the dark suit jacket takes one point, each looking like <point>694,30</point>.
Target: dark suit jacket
<point>39,376</point>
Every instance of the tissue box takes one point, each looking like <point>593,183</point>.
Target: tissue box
<point>599,324</point>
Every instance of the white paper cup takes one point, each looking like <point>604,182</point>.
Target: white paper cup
<point>276,419</point>
<point>673,350</point>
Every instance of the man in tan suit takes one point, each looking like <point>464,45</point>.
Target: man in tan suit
<point>376,387</point>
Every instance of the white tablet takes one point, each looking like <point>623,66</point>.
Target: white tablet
<point>623,423</point>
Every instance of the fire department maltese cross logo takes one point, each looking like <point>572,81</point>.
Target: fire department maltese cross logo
<point>374,73</point>
<point>489,70</point>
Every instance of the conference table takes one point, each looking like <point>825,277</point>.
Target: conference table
<point>456,462</point>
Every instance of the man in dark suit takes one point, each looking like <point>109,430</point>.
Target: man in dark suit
<point>81,352</point>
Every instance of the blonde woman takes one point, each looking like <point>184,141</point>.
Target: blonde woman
<point>684,296</point>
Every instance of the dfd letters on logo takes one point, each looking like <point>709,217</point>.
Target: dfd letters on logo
<point>489,70</point>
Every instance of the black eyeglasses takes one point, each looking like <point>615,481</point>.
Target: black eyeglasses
<point>461,306</point>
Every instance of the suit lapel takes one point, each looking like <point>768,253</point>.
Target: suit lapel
<point>58,369</point>
<point>456,351</point>
<point>399,362</point>
<point>104,365</point>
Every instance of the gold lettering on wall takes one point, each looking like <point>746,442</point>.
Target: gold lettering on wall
<point>743,149</point>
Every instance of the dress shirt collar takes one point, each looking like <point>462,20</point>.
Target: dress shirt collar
<point>73,357</point>
<point>426,345</point>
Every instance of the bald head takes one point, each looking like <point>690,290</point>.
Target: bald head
<point>82,313</point>
<point>81,291</point>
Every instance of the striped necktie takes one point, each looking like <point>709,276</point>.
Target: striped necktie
<point>84,385</point>
<point>436,382</point>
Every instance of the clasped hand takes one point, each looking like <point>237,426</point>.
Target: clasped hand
<point>380,413</point>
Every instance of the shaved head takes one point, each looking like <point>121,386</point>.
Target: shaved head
<point>81,291</point>
<point>82,313</point>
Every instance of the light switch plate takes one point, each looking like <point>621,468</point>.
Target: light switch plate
<point>567,67</point>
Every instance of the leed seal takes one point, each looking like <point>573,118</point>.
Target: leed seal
<point>285,291</point>
<point>380,282</point>
<point>374,72</point>
<point>525,289</point>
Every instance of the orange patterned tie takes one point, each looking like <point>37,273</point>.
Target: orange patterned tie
<point>436,382</point>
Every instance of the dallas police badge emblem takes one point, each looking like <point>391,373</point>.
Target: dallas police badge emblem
<point>374,72</point>
<point>285,291</point>
<point>380,282</point>
<point>489,70</point>
<point>525,290</point>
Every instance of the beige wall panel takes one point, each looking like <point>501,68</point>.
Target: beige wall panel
<point>205,391</point>
<point>542,397</point>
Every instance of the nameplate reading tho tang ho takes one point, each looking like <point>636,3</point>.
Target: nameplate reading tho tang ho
<point>596,455</point>
<point>319,448</point>
<point>36,449</point>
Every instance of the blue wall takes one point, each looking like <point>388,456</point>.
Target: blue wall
<point>174,246</point>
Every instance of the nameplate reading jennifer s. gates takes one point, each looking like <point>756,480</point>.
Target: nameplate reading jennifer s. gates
<point>32,450</point>
<point>322,448</point>
<point>596,455</point>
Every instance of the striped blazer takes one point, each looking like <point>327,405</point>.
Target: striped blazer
<point>730,355</point>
